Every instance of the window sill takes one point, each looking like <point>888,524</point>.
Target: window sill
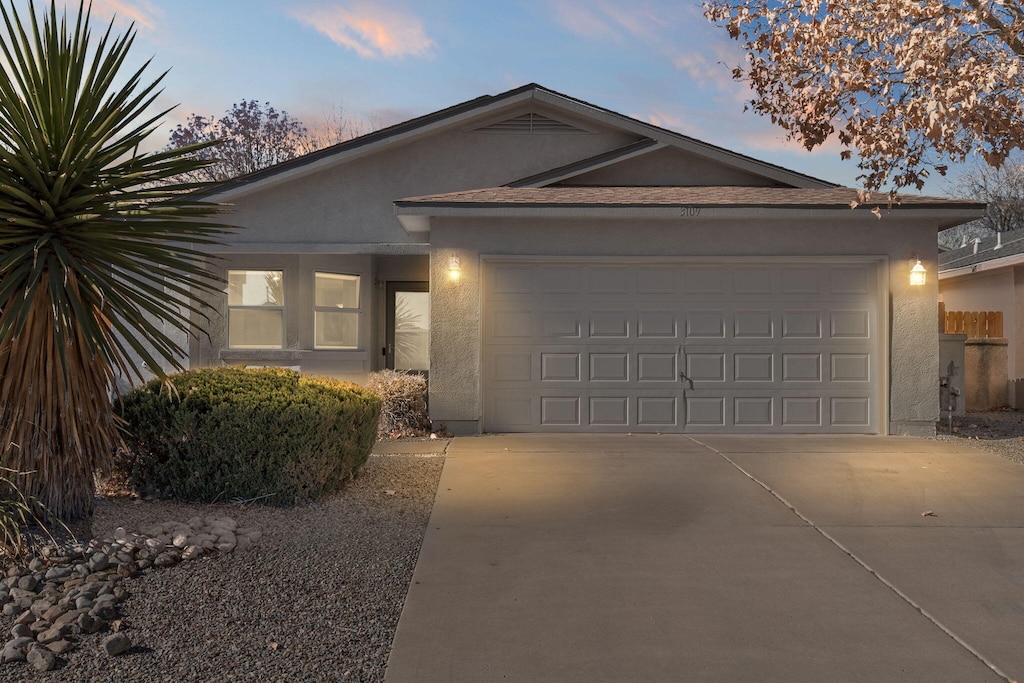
<point>240,355</point>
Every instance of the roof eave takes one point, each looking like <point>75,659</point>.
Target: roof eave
<point>982,266</point>
<point>368,144</point>
<point>942,215</point>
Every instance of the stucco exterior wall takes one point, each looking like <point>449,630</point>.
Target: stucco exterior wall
<point>354,202</point>
<point>456,343</point>
<point>211,349</point>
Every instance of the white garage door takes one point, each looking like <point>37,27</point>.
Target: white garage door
<point>696,346</point>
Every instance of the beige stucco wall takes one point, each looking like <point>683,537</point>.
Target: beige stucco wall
<point>456,343</point>
<point>211,349</point>
<point>353,202</point>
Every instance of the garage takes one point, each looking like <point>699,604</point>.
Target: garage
<point>784,345</point>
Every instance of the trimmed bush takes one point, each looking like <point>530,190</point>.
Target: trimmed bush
<point>404,403</point>
<point>235,433</point>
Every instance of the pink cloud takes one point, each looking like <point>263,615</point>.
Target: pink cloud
<point>142,12</point>
<point>369,30</point>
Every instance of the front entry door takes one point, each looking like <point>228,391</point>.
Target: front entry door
<point>408,327</point>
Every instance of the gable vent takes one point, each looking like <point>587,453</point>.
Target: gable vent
<point>530,123</point>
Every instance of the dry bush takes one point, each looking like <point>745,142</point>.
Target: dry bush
<point>404,409</point>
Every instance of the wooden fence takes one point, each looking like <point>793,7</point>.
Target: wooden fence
<point>975,324</point>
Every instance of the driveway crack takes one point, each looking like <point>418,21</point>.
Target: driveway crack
<point>853,556</point>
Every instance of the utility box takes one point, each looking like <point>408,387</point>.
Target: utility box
<point>952,390</point>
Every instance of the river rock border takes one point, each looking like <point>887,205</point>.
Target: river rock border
<point>66,592</point>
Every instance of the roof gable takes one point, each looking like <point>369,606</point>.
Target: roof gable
<point>530,108</point>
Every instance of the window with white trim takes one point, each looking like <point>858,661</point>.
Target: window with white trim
<point>255,309</point>
<point>336,311</point>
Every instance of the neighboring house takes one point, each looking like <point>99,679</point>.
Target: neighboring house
<point>988,275</point>
<point>575,269</point>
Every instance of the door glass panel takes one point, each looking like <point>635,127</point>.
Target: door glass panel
<point>412,331</point>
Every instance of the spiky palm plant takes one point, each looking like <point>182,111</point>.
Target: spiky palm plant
<point>98,246</point>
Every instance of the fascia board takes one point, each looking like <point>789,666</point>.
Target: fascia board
<point>991,264</point>
<point>403,210</point>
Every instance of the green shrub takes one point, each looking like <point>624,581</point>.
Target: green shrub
<point>404,403</point>
<point>235,433</point>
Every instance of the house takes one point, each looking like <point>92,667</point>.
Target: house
<point>575,269</point>
<point>988,275</point>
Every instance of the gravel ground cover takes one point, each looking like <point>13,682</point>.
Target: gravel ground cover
<point>317,600</point>
<point>996,431</point>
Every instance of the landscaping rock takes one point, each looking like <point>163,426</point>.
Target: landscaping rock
<point>75,589</point>
<point>51,635</point>
<point>116,644</point>
<point>42,659</point>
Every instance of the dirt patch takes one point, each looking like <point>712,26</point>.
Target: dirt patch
<point>996,431</point>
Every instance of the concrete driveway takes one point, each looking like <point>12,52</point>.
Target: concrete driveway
<point>717,558</point>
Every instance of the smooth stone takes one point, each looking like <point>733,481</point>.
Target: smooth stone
<point>41,659</point>
<point>21,631</point>
<point>53,613</point>
<point>51,635</point>
<point>60,646</point>
<point>26,618</point>
<point>116,644</point>
<point>99,562</point>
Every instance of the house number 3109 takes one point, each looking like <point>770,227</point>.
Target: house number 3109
<point>689,211</point>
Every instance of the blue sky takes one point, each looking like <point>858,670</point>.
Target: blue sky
<point>391,60</point>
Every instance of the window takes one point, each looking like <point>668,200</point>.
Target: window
<point>336,311</point>
<point>255,309</point>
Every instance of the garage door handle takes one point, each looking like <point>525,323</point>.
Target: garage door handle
<point>686,379</point>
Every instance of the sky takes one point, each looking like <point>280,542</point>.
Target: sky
<point>386,61</point>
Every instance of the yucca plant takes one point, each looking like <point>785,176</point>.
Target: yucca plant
<point>100,246</point>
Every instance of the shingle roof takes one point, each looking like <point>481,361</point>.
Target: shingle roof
<point>711,196</point>
<point>1012,244</point>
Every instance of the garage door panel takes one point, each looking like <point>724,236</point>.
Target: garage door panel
<point>657,367</point>
<point>609,411</point>
<point>705,324</point>
<point>609,367</point>
<point>784,347</point>
<point>659,324</point>
<point>560,411</point>
<point>755,282</point>
<point>802,280</point>
<point>851,279</point>
<point>560,366</point>
<point>610,324</point>
<point>558,279</point>
<point>510,323</point>
<point>853,324</point>
<point>756,324</point>
<point>563,324</point>
<point>797,324</point>
<point>754,411</point>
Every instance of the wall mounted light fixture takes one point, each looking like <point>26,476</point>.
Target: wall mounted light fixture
<point>454,268</point>
<point>918,275</point>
